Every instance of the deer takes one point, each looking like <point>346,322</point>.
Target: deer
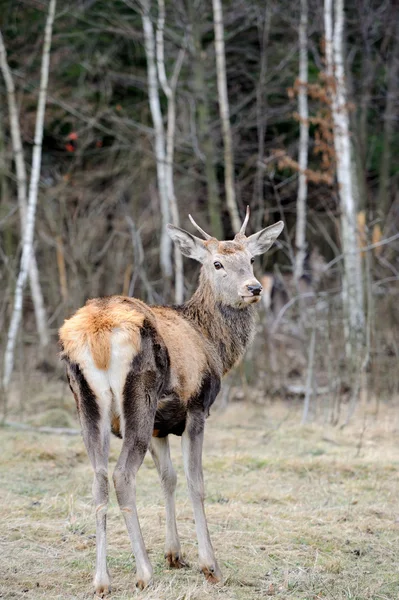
<point>146,372</point>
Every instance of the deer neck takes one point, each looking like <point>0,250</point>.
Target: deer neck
<point>230,330</point>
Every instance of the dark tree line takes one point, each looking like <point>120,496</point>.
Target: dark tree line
<point>99,222</point>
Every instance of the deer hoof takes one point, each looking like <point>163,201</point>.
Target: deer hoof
<point>143,582</point>
<point>212,574</point>
<point>102,590</point>
<point>175,561</point>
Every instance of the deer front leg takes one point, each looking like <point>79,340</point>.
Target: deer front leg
<point>192,441</point>
<point>160,453</point>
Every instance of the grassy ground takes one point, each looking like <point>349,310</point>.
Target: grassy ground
<point>294,512</point>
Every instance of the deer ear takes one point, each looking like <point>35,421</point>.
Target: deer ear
<point>260,242</point>
<point>188,244</point>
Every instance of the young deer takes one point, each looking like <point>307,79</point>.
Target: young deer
<point>144,372</point>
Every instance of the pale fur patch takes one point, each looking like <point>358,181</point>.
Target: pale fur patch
<point>107,385</point>
<point>91,327</point>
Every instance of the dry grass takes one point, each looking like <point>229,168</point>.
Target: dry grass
<point>294,513</point>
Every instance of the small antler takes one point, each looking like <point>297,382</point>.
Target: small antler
<point>245,223</point>
<point>202,232</point>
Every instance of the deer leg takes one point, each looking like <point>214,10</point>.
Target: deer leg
<point>92,409</point>
<point>192,441</point>
<point>98,451</point>
<point>139,412</point>
<point>160,452</point>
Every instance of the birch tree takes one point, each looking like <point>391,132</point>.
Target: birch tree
<point>169,89</point>
<point>204,120</point>
<point>160,152</point>
<point>352,292</point>
<point>28,232</point>
<point>164,143</point>
<point>18,153</point>
<point>300,232</point>
<point>264,25</point>
<point>225,114</point>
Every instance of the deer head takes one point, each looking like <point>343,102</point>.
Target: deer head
<point>228,265</point>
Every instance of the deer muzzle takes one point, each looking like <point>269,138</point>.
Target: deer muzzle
<point>251,291</point>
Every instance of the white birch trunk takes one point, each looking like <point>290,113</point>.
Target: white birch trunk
<point>170,93</point>
<point>36,292</point>
<point>261,100</point>
<point>28,233</point>
<point>352,290</point>
<point>224,114</point>
<point>160,155</point>
<point>300,232</point>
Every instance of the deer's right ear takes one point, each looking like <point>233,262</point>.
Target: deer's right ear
<point>260,242</point>
<point>188,244</point>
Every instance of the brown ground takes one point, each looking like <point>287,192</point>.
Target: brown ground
<point>294,512</point>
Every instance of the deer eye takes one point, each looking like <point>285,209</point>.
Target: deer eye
<point>252,260</point>
<point>218,265</point>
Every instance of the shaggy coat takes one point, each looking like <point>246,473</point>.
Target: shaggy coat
<point>190,347</point>
<point>145,372</point>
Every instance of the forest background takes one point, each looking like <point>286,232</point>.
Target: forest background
<point>138,131</point>
<point>119,116</point>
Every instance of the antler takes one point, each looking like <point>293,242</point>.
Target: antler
<point>202,232</point>
<point>244,225</point>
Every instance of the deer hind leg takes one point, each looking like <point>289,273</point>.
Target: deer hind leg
<point>93,413</point>
<point>160,452</point>
<point>192,441</point>
<point>139,405</point>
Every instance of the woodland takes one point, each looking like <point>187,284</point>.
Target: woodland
<point>156,110</point>
<point>120,116</point>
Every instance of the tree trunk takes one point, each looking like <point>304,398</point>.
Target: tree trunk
<point>32,201</point>
<point>224,115</point>
<point>153,95</point>
<point>170,93</point>
<point>36,292</point>
<point>352,291</point>
<point>300,232</point>
<point>3,160</point>
<point>389,126</point>
<point>205,135</point>
<point>261,104</point>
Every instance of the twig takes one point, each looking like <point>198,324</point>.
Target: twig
<point>364,249</point>
<point>309,378</point>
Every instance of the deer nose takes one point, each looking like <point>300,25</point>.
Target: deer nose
<point>255,289</point>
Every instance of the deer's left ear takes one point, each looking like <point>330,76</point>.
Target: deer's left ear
<point>188,244</point>
<point>260,242</point>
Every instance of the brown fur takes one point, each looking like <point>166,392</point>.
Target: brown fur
<point>116,425</point>
<point>229,247</point>
<point>163,372</point>
<point>225,331</point>
<point>91,326</point>
<point>187,355</point>
<point>199,336</point>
